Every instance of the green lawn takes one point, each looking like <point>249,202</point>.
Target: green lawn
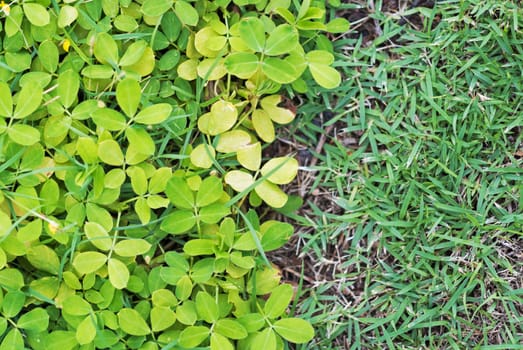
<point>411,236</point>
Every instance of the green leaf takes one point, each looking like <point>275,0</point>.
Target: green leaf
<point>278,302</point>
<point>128,96</point>
<point>87,262</point>
<point>203,156</point>
<point>24,135</point>
<point>294,330</point>
<point>210,191</point>
<point>219,342</point>
<point>179,221</point>
<point>213,213</point>
<point>134,53</point>
<point>325,75</point>
<point>276,235</point>
<point>143,210</point>
<point>110,153</point>
<point>279,70</point>
<point>109,119</point>
<point>76,305</point>
<point>6,100</point>
<point>44,258</point>
<point>98,71</point>
<point>28,100</point>
<point>282,40</point>
<point>338,25</point>
<point>193,336</point>
<point>118,273</point>
<point>13,340</point>
<point>105,49</point>
<point>155,8</point>
<point>12,303</point>
<point>132,322</point>
<point>162,318</point>
<point>63,340</point>
<point>207,307</point>
<point>68,14</point>
<point>179,193</point>
<point>139,137</point>
<point>320,56</point>
<point>239,180</point>
<point>201,246</point>
<point>138,180</point>
<point>35,320</point>
<point>11,278</point>
<point>184,288</point>
<point>271,194</point>
<point>163,298</point>
<point>68,86</point>
<point>36,14</point>
<point>186,13</point>
<point>252,32</point>
<point>132,247</point>
<point>98,236</point>
<point>230,328</point>
<point>265,340</point>
<point>48,54</point>
<point>280,170</point>
<point>86,331</point>
<point>263,126</point>
<point>154,114</point>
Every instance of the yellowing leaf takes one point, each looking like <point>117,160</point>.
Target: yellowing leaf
<point>277,114</point>
<point>271,194</point>
<point>154,114</point>
<point>250,156</point>
<point>325,75</point>
<point>239,180</point>
<point>188,70</point>
<point>110,153</point>
<point>211,69</point>
<point>144,65</point>
<point>128,96</point>
<point>203,156</point>
<point>281,170</point>
<point>232,141</point>
<point>87,262</point>
<point>263,125</point>
<point>222,117</point>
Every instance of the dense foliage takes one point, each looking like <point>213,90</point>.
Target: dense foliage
<point>131,137</point>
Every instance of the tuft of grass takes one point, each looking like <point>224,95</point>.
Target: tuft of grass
<point>412,230</point>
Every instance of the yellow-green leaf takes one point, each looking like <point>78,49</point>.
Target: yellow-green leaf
<point>232,141</point>
<point>263,125</point>
<point>128,96</point>
<point>87,262</point>
<point>110,153</point>
<point>98,236</point>
<point>271,194</point>
<point>132,322</point>
<point>36,14</point>
<point>105,49</point>
<point>249,156</point>
<point>24,135</point>
<point>277,114</point>
<point>118,273</point>
<point>203,156</point>
<point>239,180</point>
<point>281,170</point>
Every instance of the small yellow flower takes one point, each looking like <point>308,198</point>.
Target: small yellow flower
<point>66,45</point>
<point>5,8</point>
<point>53,227</point>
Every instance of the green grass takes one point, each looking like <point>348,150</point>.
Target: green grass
<point>413,236</point>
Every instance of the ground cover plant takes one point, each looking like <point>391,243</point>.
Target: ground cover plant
<point>131,173</point>
<point>413,219</point>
